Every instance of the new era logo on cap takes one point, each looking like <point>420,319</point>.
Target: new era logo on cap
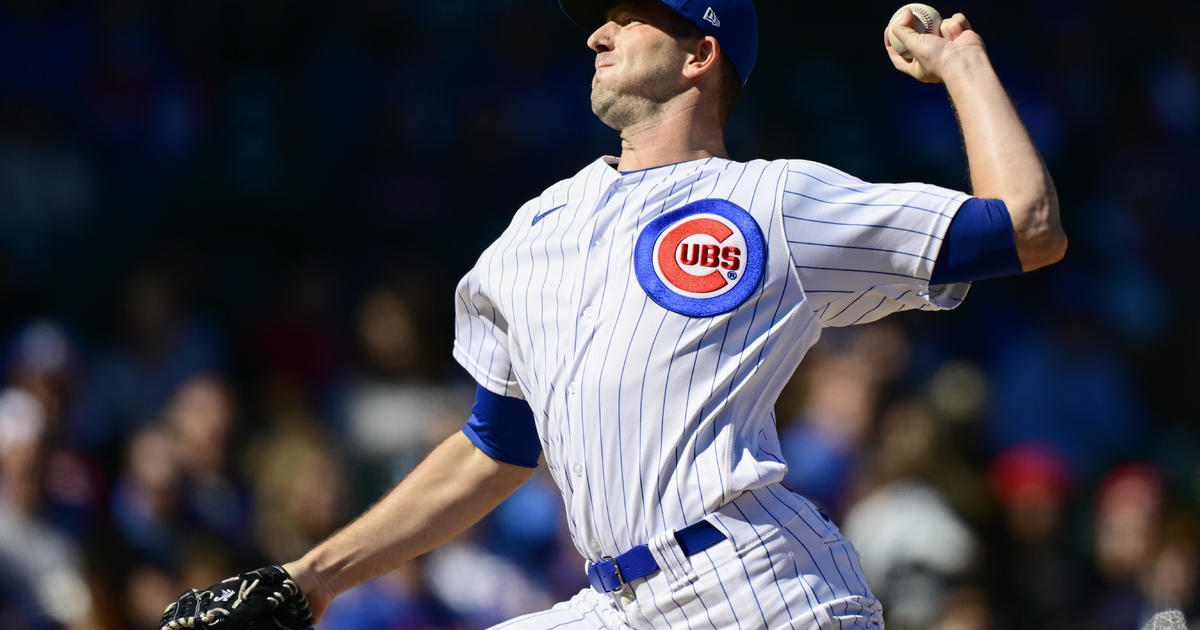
<point>710,16</point>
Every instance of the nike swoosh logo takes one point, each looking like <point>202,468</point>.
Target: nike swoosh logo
<point>548,212</point>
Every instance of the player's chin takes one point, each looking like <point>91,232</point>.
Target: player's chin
<point>602,100</point>
<point>605,108</point>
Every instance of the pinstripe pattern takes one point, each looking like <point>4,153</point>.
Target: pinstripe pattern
<point>587,610</point>
<point>651,419</point>
<point>859,247</point>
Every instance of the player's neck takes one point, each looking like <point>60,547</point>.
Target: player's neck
<point>670,137</point>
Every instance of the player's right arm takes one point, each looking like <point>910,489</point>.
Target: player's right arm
<point>452,489</point>
<point>1003,160</point>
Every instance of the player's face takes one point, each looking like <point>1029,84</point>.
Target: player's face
<point>638,63</point>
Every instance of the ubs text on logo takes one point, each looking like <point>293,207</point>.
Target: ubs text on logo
<point>703,259</point>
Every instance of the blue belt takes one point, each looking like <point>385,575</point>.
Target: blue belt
<point>610,574</point>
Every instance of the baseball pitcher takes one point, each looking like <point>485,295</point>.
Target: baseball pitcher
<point>635,323</point>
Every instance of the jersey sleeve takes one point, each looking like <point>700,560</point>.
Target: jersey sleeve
<point>481,343</point>
<point>863,251</point>
<point>504,429</point>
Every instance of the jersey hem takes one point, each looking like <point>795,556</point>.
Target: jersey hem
<point>495,385</point>
<point>947,296</point>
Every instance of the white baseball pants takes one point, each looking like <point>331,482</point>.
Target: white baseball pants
<point>783,565</point>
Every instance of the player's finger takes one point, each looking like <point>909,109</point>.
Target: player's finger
<point>887,42</point>
<point>908,66</point>
<point>954,26</point>
<point>897,60</point>
<point>903,29</point>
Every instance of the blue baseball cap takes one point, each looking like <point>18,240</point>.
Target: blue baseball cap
<point>734,23</point>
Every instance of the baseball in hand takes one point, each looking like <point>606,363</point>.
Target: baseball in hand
<point>928,21</point>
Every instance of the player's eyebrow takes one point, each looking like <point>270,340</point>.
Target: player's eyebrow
<point>617,11</point>
<point>626,8</point>
<point>616,7</point>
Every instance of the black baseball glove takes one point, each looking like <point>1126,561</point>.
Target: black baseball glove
<point>262,599</point>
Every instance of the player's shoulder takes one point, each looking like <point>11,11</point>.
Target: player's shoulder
<point>755,173</point>
<point>798,172</point>
<point>805,174</point>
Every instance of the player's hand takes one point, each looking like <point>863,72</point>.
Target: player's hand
<point>933,55</point>
<point>266,598</point>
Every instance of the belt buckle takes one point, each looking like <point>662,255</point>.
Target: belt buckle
<point>617,570</point>
<point>624,590</point>
<point>598,580</point>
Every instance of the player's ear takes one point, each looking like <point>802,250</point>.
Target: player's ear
<point>702,57</point>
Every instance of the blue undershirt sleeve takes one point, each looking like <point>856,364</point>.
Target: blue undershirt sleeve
<point>978,245</point>
<point>504,429</point>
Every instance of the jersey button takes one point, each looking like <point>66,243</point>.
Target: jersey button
<point>589,312</point>
<point>573,388</point>
<point>601,242</point>
<point>595,546</point>
<point>578,470</point>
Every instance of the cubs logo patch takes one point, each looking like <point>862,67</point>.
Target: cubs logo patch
<point>701,260</point>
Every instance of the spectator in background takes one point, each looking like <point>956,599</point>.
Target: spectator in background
<point>45,361</point>
<point>392,408</point>
<point>179,506</point>
<point>200,418</point>
<point>1039,583</point>
<point>300,489</point>
<point>42,583</point>
<point>1172,581</point>
<point>919,555</point>
<point>1142,566</point>
<point>825,441</point>
<point>146,497</point>
<point>160,347</point>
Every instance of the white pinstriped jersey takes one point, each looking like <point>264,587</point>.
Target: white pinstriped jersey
<point>652,416</point>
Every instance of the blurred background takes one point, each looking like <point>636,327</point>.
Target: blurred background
<point>230,231</point>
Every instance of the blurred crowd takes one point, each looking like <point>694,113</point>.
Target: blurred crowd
<point>230,231</point>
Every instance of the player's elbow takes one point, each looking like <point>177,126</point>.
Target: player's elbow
<point>1042,249</point>
<point>1040,238</point>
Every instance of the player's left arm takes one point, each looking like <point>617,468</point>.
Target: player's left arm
<point>1003,160</point>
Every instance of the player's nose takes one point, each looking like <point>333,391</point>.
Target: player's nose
<point>601,39</point>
